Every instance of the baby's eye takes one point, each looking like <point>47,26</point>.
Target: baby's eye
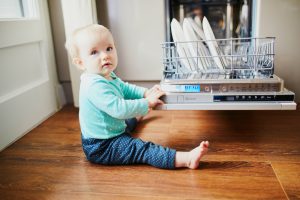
<point>109,49</point>
<point>94,52</point>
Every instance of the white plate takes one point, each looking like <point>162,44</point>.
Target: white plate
<point>182,48</point>
<point>197,49</point>
<point>197,29</point>
<point>198,21</point>
<point>212,45</point>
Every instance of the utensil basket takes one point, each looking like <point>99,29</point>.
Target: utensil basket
<point>240,58</point>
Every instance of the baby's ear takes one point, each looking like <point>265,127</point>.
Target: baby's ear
<point>78,63</point>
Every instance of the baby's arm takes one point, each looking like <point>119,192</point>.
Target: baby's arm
<point>132,91</point>
<point>104,98</point>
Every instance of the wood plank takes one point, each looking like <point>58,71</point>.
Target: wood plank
<point>241,135</point>
<point>48,162</point>
<point>289,176</point>
<point>220,180</point>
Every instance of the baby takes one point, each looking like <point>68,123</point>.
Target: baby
<point>109,107</point>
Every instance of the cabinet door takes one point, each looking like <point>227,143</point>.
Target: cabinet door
<point>280,19</point>
<point>27,72</point>
<point>138,27</point>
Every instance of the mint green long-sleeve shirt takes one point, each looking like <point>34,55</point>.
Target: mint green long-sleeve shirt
<point>105,104</point>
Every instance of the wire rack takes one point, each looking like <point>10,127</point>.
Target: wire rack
<point>234,58</point>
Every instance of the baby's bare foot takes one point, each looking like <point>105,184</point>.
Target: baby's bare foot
<point>196,154</point>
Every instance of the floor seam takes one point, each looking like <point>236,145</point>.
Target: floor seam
<point>287,197</point>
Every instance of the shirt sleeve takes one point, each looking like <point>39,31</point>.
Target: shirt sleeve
<point>131,91</point>
<point>104,98</point>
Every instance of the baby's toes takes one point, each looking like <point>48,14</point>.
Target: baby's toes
<point>202,144</point>
<point>206,144</point>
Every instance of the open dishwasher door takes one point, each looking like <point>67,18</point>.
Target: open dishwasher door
<point>179,101</point>
<point>245,81</point>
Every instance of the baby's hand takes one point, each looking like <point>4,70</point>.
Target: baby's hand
<point>154,88</point>
<point>153,94</point>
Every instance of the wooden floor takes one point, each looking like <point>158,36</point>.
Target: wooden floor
<point>253,155</point>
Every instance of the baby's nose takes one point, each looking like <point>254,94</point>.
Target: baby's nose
<point>104,56</point>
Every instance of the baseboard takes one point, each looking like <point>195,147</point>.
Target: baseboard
<point>60,95</point>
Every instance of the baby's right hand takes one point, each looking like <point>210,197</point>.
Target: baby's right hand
<point>153,97</point>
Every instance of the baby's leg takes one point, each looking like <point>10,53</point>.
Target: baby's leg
<point>131,124</point>
<point>125,150</point>
<point>191,159</point>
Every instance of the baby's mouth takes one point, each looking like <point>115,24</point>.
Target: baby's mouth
<point>106,65</point>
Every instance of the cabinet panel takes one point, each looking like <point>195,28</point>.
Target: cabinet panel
<point>138,27</point>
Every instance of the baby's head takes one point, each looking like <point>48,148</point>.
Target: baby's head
<point>92,49</point>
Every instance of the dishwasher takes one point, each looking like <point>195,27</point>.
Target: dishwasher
<point>239,77</point>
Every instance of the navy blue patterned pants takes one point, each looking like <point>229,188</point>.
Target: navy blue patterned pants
<point>124,150</point>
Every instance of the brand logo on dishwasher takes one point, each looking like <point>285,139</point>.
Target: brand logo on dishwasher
<point>190,98</point>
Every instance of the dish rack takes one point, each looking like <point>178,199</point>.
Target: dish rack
<point>240,58</point>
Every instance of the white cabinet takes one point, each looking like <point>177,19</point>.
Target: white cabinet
<point>27,73</point>
<point>138,27</point>
<point>281,19</point>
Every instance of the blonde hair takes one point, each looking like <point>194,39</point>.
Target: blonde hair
<point>71,43</point>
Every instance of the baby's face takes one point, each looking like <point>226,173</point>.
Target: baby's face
<point>97,52</point>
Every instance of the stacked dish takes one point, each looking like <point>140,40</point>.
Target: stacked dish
<point>196,46</point>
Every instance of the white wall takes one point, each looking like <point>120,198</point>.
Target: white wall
<point>282,19</point>
<point>59,39</point>
<point>138,27</point>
